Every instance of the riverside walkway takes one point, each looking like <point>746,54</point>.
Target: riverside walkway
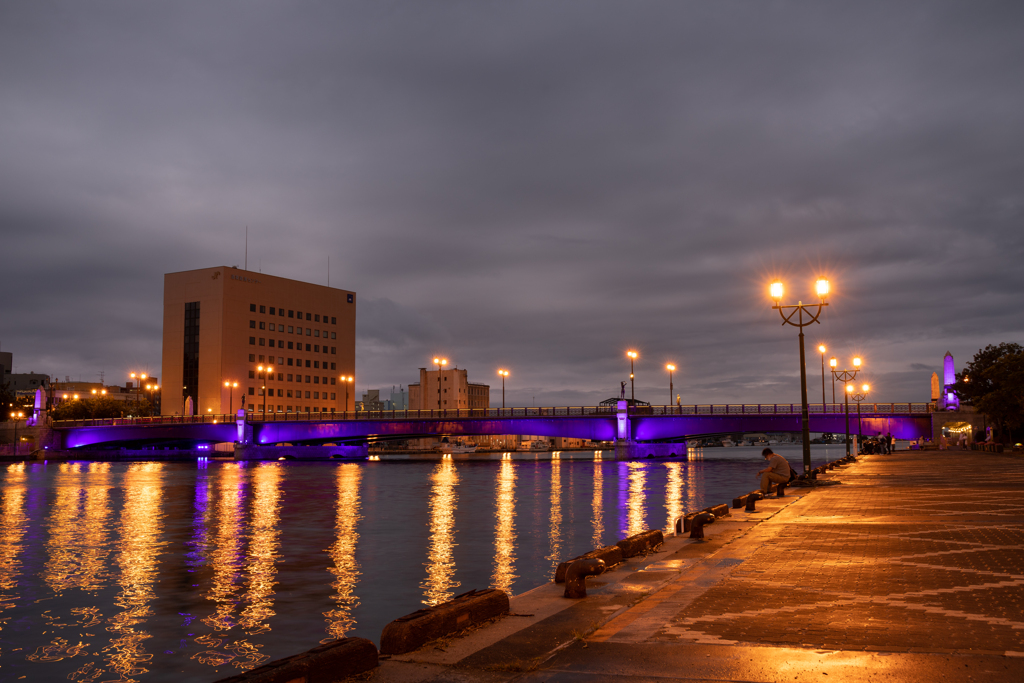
<point>911,570</point>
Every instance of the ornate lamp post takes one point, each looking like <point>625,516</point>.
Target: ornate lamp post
<point>231,386</point>
<point>832,362</point>
<point>16,416</point>
<point>440,363</point>
<point>847,376</point>
<point>798,311</point>
<point>633,355</point>
<point>671,368</point>
<point>263,373</point>
<point>504,374</point>
<point>346,380</point>
<point>821,348</point>
<point>858,398</point>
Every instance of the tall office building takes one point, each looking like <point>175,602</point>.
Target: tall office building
<point>222,324</point>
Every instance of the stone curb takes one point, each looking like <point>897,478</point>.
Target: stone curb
<point>323,664</point>
<point>412,631</point>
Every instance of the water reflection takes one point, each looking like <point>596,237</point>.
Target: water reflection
<point>262,556</point>
<point>437,587</point>
<point>226,558</point>
<point>505,528</point>
<point>138,547</point>
<point>673,494</point>
<point>597,505</point>
<point>636,516</point>
<point>343,551</point>
<point>12,531</point>
<point>555,525</point>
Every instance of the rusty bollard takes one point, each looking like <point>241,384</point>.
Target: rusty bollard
<point>576,576</point>
<point>752,499</point>
<point>697,525</point>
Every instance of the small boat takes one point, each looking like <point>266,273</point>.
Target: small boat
<point>457,448</point>
<point>728,442</point>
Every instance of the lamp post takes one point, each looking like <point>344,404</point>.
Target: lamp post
<point>798,310</point>
<point>16,416</point>
<point>858,398</point>
<point>263,371</point>
<point>821,348</point>
<point>504,374</point>
<point>671,368</point>
<point>832,362</point>
<point>847,376</point>
<point>346,379</point>
<point>440,363</point>
<point>230,386</point>
<point>632,357</point>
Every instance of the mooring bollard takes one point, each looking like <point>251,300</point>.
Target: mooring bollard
<point>752,498</point>
<point>576,576</point>
<point>697,524</point>
<point>612,555</point>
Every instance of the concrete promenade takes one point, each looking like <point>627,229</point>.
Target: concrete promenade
<point>911,570</point>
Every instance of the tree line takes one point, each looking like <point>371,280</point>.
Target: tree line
<point>993,382</point>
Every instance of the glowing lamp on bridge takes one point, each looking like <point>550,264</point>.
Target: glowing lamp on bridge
<point>633,355</point>
<point>504,374</point>
<point>821,288</point>
<point>777,290</point>
<point>856,362</point>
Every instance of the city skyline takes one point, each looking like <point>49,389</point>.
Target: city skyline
<point>531,187</point>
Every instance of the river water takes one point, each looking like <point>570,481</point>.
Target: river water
<point>158,571</point>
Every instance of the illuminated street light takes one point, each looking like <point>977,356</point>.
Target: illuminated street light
<point>264,372</point>
<point>821,348</point>
<point>798,310</point>
<point>633,355</point>
<point>671,368</point>
<point>440,363</point>
<point>17,416</point>
<point>858,398</point>
<point>832,369</point>
<point>504,374</point>
<point>230,386</point>
<point>847,376</point>
<point>346,380</point>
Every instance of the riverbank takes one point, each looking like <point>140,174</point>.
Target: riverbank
<point>910,570</point>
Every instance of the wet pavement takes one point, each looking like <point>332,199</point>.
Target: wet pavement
<point>912,569</point>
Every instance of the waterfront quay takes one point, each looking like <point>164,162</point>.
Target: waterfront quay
<point>911,570</point>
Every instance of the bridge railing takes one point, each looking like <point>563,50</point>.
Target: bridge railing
<point>866,409</point>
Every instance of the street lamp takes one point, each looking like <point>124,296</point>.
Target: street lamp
<point>440,363</point>
<point>821,348</point>
<point>832,362</point>
<point>346,380</point>
<point>263,371</point>
<point>504,374</point>
<point>858,398</point>
<point>847,376</point>
<point>16,416</point>
<point>633,355</point>
<point>821,289</point>
<point>231,396</point>
<point>671,368</point>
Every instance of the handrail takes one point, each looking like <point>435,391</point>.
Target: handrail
<point>866,410</point>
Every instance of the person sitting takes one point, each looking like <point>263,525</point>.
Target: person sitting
<point>777,471</point>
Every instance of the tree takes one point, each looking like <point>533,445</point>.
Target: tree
<point>993,382</point>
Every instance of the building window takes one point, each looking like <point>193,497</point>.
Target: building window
<point>307,396</point>
<point>263,325</point>
<point>272,311</point>
<point>273,327</point>
<point>291,314</point>
<point>252,392</point>
<point>334,335</point>
<point>190,360</point>
<point>307,363</point>
<point>316,348</point>
<point>316,333</point>
<point>316,380</point>
<point>252,307</point>
<point>252,357</point>
<point>290,362</point>
<point>332,366</point>
<point>289,392</point>
<point>263,342</point>
<point>307,379</point>
<point>332,411</point>
<point>309,332</point>
<point>298,314</point>
<point>309,316</point>
<point>252,341</point>
<point>325,380</point>
<point>308,346</point>
<point>291,345</point>
<point>334,350</point>
<point>252,324</point>
<point>316,318</point>
<point>280,393</point>
<point>351,298</point>
<point>263,309</point>
<point>316,364</point>
<point>262,358</point>
<point>316,395</point>
<point>334,321</point>
<point>334,380</point>
<point>252,374</point>
<point>333,398</point>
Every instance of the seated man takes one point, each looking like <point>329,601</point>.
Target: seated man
<point>777,470</point>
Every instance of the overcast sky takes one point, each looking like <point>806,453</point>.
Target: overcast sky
<point>531,185</point>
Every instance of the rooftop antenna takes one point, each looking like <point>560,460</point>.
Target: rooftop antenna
<point>246,248</point>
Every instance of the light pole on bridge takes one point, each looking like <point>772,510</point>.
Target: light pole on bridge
<point>440,363</point>
<point>821,348</point>
<point>632,357</point>
<point>346,380</point>
<point>671,368</point>
<point>504,374</point>
<point>263,371</point>
<point>798,310</point>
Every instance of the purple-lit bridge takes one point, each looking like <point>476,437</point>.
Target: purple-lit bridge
<point>598,423</point>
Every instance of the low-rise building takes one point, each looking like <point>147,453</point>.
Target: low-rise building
<point>447,390</point>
